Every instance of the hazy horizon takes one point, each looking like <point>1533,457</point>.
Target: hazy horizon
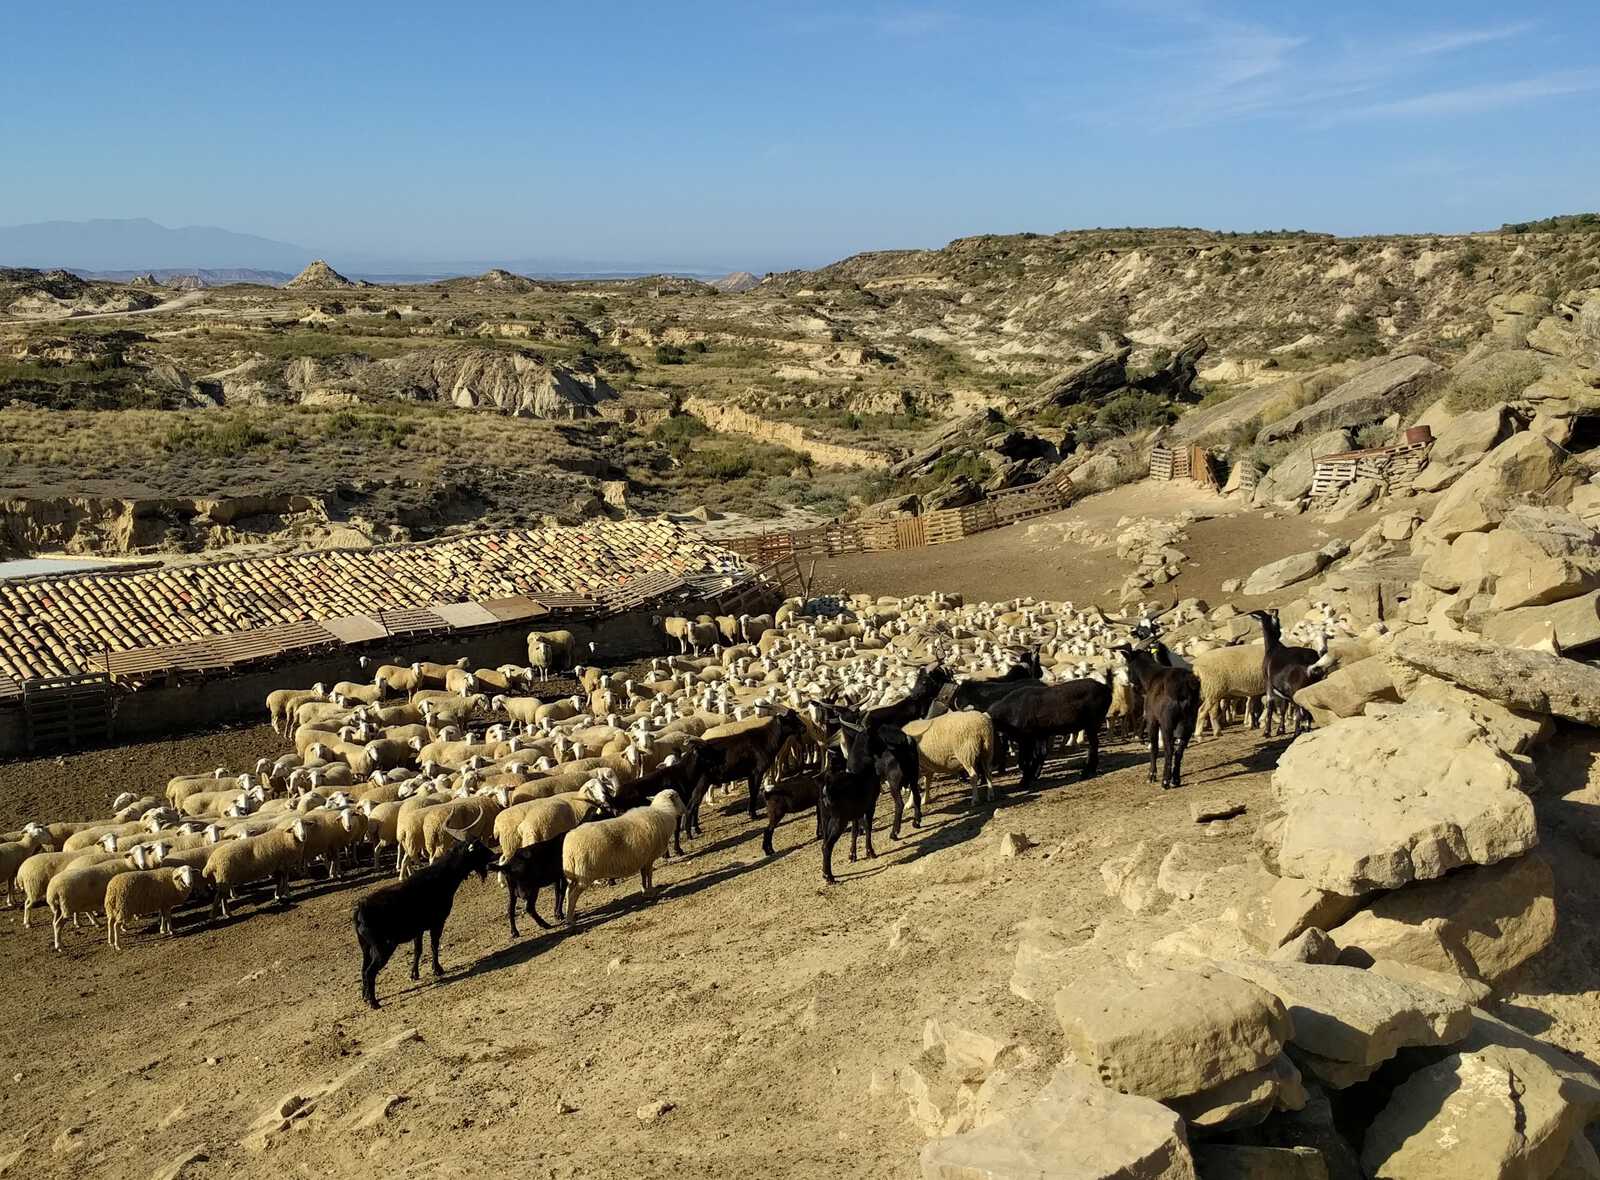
<point>762,138</point>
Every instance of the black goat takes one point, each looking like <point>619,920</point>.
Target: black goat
<point>888,746</point>
<point>690,773</point>
<point>791,795</point>
<point>403,911</point>
<point>1036,713</point>
<point>848,797</point>
<point>925,689</point>
<point>1286,670</point>
<point>747,755</point>
<point>1171,708</point>
<point>528,870</point>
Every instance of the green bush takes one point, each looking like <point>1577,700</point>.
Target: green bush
<point>670,354</point>
<point>223,441</point>
<point>1129,412</point>
<point>678,431</point>
<point>1494,379</point>
<point>372,428</point>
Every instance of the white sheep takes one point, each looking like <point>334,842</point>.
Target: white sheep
<point>81,889</point>
<point>1229,674</point>
<point>146,891</point>
<point>395,681</point>
<point>608,849</point>
<point>960,743</point>
<point>36,873</point>
<point>540,820</point>
<point>551,651</point>
<point>235,863</point>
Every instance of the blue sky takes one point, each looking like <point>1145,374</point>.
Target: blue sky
<point>764,136</point>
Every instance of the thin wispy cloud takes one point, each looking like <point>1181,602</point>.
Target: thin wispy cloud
<point>909,23</point>
<point>1225,70</point>
<point>1454,40</point>
<point>1468,100</point>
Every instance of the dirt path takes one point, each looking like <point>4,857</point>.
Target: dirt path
<point>1032,557</point>
<point>187,299</point>
<point>752,998</point>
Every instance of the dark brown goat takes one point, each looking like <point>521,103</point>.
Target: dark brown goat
<point>1171,709</point>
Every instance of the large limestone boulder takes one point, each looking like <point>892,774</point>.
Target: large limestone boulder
<point>1469,435</point>
<point>1527,681</point>
<point>1290,477</point>
<point>1525,463</point>
<point>1573,623</point>
<point>1454,564</point>
<point>1245,1100</point>
<point>1286,571</point>
<point>1509,731</point>
<point>1348,1017</point>
<point>1378,802</point>
<point>1496,1111</point>
<point>1370,396</point>
<point>1075,1129</point>
<point>1483,923</point>
<point>1165,1033</point>
<point>1541,555</point>
<point>1513,316</point>
<point>1348,690</point>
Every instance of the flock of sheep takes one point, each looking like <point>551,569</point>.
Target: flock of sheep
<point>825,705</point>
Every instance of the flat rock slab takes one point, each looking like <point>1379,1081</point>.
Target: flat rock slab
<point>1531,681</point>
<point>1075,1129</point>
<point>1349,1015</point>
<point>1165,1032</point>
<point>1481,923</point>
<point>1205,811</point>
<point>1377,802</point>
<point>1245,1100</point>
<point>1498,1113</point>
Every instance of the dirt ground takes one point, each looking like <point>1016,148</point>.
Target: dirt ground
<point>1010,562</point>
<point>730,1028</point>
<point>751,997</point>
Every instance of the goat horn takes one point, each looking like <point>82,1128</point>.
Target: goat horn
<point>464,834</point>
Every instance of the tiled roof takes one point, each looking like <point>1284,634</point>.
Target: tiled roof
<point>51,626</point>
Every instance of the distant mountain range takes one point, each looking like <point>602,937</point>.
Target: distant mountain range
<point>126,248</point>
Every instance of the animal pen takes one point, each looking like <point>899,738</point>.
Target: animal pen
<point>74,672</point>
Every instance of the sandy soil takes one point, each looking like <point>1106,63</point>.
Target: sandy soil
<point>754,1000</point>
<point>1011,561</point>
<point>748,995</point>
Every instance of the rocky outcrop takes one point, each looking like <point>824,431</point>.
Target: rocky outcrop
<point>1075,1128</point>
<point>102,525</point>
<point>1525,463</point>
<point>1482,923</point>
<point>1286,571</point>
<point>1347,1022</point>
<point>318,275</point>
<point>1504,1106</point>
<point>1378,802</point>
<point>522,384</point>
<point>1530,681</point>
<point>1289,479</point>
<point>1370,396</point>
<point>730,419</point>
<point>1087,382</point>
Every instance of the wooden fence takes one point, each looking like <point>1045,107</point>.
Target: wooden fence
<point>907,532</point>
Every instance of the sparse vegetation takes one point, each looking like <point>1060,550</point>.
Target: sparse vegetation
<point>1497,378</point>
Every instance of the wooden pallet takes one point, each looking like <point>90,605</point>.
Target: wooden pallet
<point>410,620</point>
<point>68,712</point>
<point>636,592</point>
